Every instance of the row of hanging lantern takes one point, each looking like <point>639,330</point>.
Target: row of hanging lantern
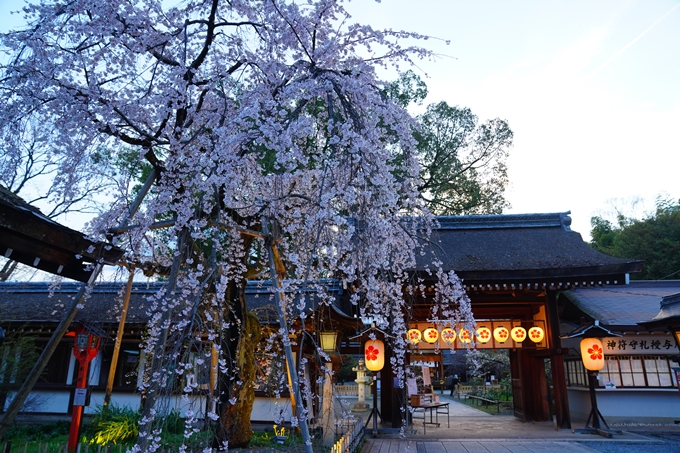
<point>374,350</point>
<point>483,335</point>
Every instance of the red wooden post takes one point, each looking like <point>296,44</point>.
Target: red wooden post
<point>85,349</point>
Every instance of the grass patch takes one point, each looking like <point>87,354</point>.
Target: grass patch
<point>489,408</point>
<point>117,428</point>
<point>36,438</point>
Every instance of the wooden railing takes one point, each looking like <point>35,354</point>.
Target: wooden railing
<point>346,390</point>
<point>468,389</point>
<point>479,400</point>
<point>351,438</point>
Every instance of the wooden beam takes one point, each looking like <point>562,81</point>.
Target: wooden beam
<point>119,338</point>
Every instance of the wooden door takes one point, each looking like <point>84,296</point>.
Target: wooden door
<point>516,377</point>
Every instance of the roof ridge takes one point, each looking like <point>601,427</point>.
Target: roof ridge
<point>252,287</point>
<point>492,221</point>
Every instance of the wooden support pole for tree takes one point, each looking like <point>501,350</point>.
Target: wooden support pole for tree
<point>119,339</point>
<point>328,414</point>
<point>57,335</point>
<point>276,270</point>
<point>156,368</point>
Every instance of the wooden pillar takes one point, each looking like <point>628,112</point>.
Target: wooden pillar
<point>562,414</point>
<point>387,389</point>
<point>77,414</point>
<point>517,388</point>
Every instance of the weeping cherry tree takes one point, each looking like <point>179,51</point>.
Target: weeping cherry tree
<point>274,154</point>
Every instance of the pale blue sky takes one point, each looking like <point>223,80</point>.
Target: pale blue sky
<point>591,89</point>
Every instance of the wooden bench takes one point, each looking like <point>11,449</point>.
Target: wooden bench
<point>488,400</point>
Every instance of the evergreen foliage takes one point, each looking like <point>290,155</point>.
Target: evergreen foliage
<point>654,239</point>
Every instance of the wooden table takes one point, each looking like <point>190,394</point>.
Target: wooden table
<point>436,408</point>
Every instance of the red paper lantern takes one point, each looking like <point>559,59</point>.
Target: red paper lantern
<point>374,355</point>
<point>592,354</point>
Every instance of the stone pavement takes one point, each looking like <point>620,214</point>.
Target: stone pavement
<point>474,431</point>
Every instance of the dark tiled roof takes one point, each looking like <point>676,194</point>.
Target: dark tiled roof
<point>522,247</point>
<point>625,305</point>
<point>29,237</point>
<point>31,302</point>
<point>10,197</point>
<point>669,313</point>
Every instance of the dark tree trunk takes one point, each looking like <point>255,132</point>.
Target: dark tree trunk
<point>238,346</point>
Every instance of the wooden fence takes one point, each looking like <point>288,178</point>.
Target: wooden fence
<point>346,390</point>
<point>469,389</point>
<point>352,437</point>
<point>55,447</point>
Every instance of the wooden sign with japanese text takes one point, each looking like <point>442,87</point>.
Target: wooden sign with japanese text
<point>639,344</point>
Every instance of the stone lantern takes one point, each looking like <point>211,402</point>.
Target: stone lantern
<point>363,382</point>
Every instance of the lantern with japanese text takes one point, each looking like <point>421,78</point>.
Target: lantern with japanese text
<point>464,336</point>
<point>483,334</point>
<point>536,334</point>
<point>448,335</point>
<point>501,334</point>
<point>374,355</point>
<point>518,334</point>
<point>592,354</point>
<point>430,335</point>
<point>414,336</point>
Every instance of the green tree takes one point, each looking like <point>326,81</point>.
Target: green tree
<point>654,239</point>
<point>482,363</point>
<point>463,162</point>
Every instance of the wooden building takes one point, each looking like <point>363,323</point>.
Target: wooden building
<point>513,268</point>
<point>638,383</point>
<point>34,310</point>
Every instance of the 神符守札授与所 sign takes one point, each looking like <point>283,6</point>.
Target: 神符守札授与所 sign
<point>639,344</point>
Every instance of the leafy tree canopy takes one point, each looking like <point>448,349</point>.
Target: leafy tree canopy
<point>655,239</point>
<point>463,162</point>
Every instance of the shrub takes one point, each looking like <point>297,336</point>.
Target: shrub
<point>173,423</point>
<point>113,425</point>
